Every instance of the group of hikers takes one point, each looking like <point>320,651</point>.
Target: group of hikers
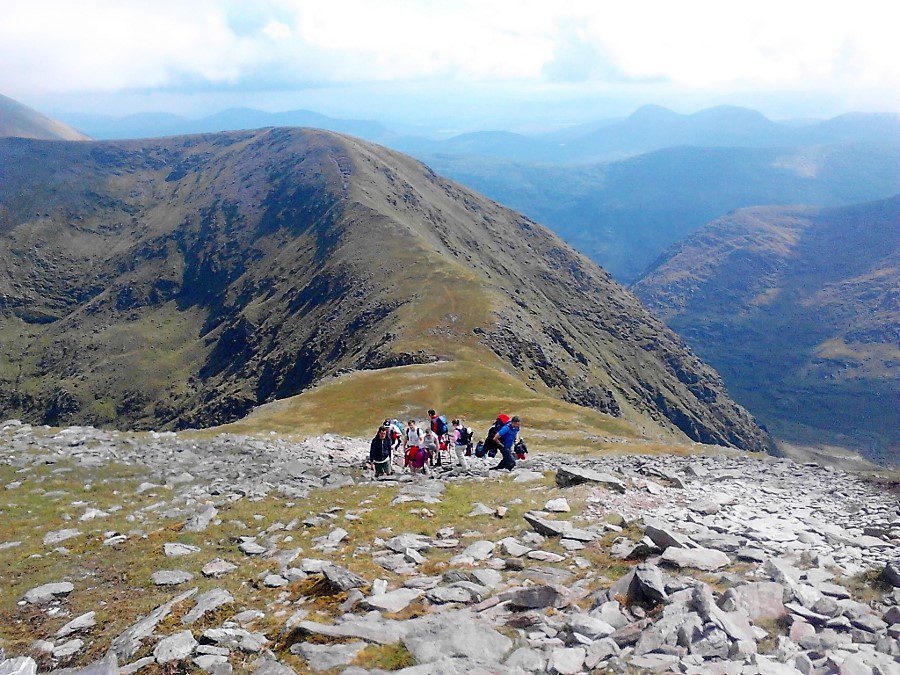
<point>421,449</point>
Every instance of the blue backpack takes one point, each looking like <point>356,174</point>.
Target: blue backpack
<point>439,425</point>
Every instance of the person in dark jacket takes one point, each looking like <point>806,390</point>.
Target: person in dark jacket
<point>506,439</point>
<point>380,452</point>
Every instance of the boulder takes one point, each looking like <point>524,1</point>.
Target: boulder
<point>665,536</point>
<point>392,601</point>
<point>539,597</point>
<point>209,601</point>
<point>342,579</point>
<point>557,506</point>
<point>175,549</point>
<point>82,622</point>
<point>567,661</point>
<point>455,635</point>
<point>21,665</point>
<point>200,521</point>
<point>170,577</point>
<point>217,568</point>
<point>891,573</point>
<point>59,536</point>
<point>761,600</point>
<point>328,657</point>
<point>569,475</point>
<point>176,647</point>
<point>699,558</point>
<point>44,594</point>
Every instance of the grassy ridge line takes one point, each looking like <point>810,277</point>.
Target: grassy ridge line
<point>354,404</point>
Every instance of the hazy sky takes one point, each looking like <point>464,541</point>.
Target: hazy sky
<point>433,61</point>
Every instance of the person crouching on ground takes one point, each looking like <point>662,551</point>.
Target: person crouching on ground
<point>506,439</point>
<point>380,452</point>
<point>462,443</point>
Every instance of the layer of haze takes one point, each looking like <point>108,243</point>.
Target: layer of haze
<point>450,66</point>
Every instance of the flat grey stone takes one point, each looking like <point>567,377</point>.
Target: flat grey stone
<point>218,568</point>
<point>206,602</point>
<point>567,661</point>
<point>252,548</point>
<point>59,536</point>
<point>342,579</point>
<point>21,665</point>
<point>68,649</point>
<point>538,597</point>
<point>527,659</point>
<point>175,549</point>
<point>699,558</point>
<point>200,521</point>
<point>175,647</point>
<point>82,622</point>
<point>455,635</point>
<point>327,657</point>
<point>569,475</point>
<point>45,593</point>
<point>392,601</point>
<point>171,577</point>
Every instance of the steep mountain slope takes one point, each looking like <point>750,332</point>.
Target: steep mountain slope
<point>624,214</point>
<point>23,122</point>
<point>183,281</point>
<point>798,309</point>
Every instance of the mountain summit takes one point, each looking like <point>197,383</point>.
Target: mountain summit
<point>181,282</point>
<point>21,121</point>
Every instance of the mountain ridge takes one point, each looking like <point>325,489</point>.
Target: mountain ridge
<point>244,270</point>
<point>797,307</point>
<point>20,121</point>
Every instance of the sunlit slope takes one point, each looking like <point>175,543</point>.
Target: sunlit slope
<point>182,282</point>
<point>21,121</point>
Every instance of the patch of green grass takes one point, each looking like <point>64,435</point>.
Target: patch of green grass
<point>384,657</point>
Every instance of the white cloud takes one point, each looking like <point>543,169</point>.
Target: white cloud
<point>55,46</point>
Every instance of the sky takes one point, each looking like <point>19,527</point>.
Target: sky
<point>471,64</point>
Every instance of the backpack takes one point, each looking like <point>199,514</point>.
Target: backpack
<point>490,446</point>
<point>479,449</point>
<point>439,425</point>
<point>465,436</point>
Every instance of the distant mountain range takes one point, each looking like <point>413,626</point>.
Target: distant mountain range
<point>653,128</point>
<point>23,122</point>
<point>625,214</point>
<point>799,309</point>
<point>183,281</point>
<point>154,125</point>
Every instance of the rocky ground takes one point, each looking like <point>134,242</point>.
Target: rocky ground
<point>174,553</point>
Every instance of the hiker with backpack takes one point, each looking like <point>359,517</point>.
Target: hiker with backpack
<point>440,429</point>
<point>461,438</point>
<point>380,452</point>
<point>505,438</point>
<point>489,447</point>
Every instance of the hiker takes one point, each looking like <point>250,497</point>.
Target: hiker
<point>395,433</point>
<point>461,438</point>
<point>489,447</point>
<point>412,439</point>
<point>418,458</point>
<point>506,439</point>
<point>380,452</point>
<point>431,444</point>
<point>440,429</point>
<point>521,450</point>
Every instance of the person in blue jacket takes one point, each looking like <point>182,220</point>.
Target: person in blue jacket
<point>506,439</point>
